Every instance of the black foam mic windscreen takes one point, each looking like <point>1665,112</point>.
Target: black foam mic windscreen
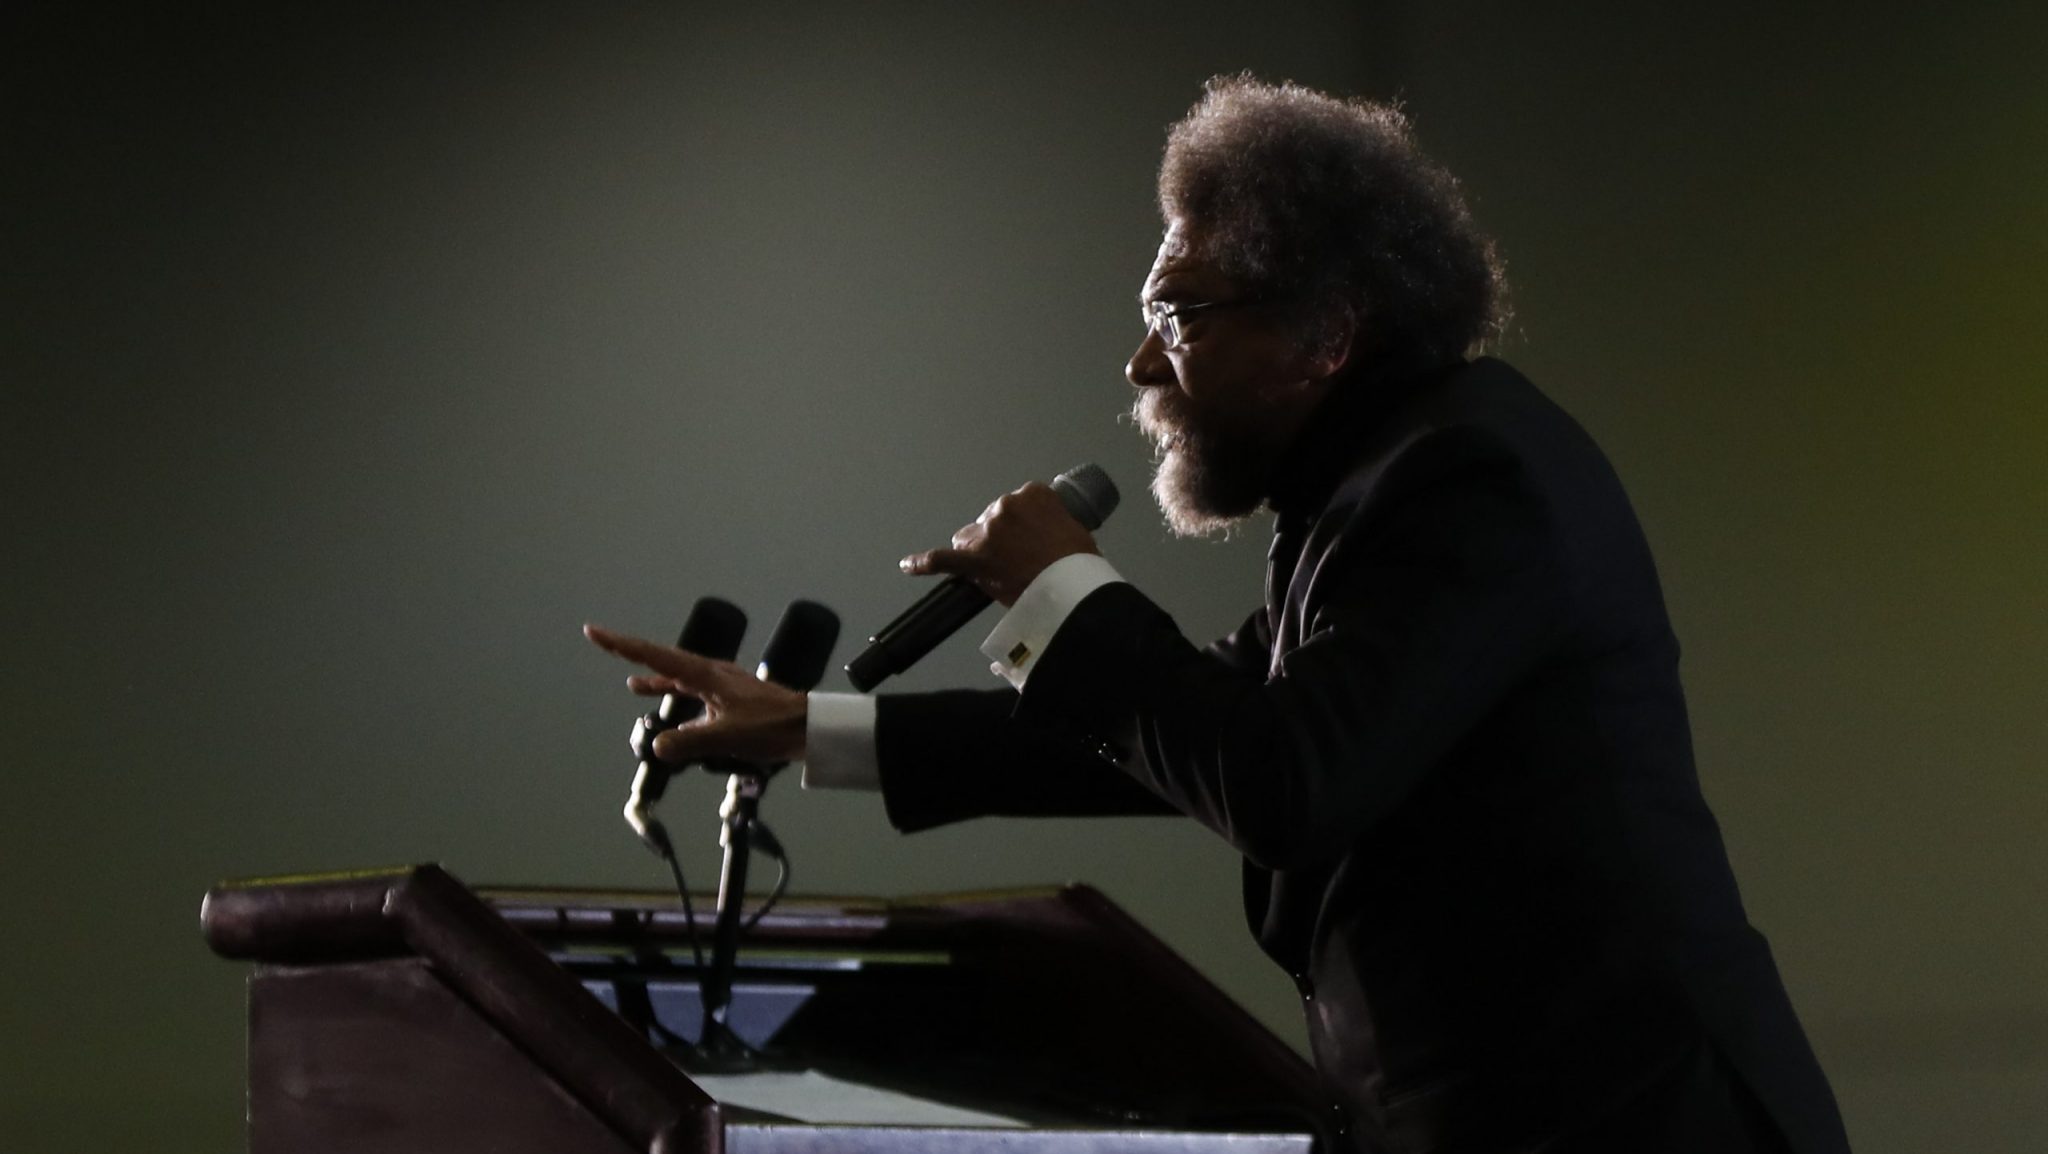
<point>800,647</point>
<point>714,629</point>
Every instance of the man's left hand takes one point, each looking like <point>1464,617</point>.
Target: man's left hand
<point>1010,544</point>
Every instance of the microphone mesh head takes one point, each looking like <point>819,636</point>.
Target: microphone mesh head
<point>1088,494</point>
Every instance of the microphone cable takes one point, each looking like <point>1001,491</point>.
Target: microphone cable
<point>658,833</point>
<point>764,839</point>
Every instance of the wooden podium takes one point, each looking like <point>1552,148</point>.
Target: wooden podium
<point>398,1011</point>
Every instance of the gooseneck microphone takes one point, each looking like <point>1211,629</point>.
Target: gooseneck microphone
<point>1088,494</point>
<point>800,647</point>
<point>795,658</point>
<point>714,630</point>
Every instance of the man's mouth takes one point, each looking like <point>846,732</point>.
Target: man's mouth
<point>1165,433</point>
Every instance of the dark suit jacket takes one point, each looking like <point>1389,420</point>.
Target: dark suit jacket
<point>1453,750</point>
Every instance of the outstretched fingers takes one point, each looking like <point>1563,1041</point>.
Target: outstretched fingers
<point>656,686</point>
<point>680,671</point>
<point>756,721</point>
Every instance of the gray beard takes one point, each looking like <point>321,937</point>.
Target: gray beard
<point>1204,486</point>
<point>1180,484</point>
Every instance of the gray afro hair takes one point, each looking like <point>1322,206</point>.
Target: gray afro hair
<point>1329,203</point>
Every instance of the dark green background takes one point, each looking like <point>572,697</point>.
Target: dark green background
<point>352,360</point>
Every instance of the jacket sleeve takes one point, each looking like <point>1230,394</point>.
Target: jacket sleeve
<point>949,756</point>
<point>1427,596</point>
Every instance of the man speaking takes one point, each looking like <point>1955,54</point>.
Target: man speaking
<point>1450,744</point>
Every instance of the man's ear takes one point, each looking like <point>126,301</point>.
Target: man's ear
<point>1332,343</point>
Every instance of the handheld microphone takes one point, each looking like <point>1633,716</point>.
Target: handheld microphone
<point>714,630</point>
<point>1088,494</point>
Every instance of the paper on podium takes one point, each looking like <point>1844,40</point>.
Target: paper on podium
<point>818,1098</point>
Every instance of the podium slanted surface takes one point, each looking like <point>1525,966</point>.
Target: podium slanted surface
<point>397,1011</point>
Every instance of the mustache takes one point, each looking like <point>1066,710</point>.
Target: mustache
<point>1160,418</point>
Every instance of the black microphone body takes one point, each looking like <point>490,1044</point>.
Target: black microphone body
<point>943,610</point>
<point>1088,494</point>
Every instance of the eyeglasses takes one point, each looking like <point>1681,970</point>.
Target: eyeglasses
<point>1168,319</point>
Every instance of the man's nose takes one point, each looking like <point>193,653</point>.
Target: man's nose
<point>1149,366</point>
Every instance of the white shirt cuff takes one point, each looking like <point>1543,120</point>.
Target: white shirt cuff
<point>839,743</point>
<point>1027,628</point>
